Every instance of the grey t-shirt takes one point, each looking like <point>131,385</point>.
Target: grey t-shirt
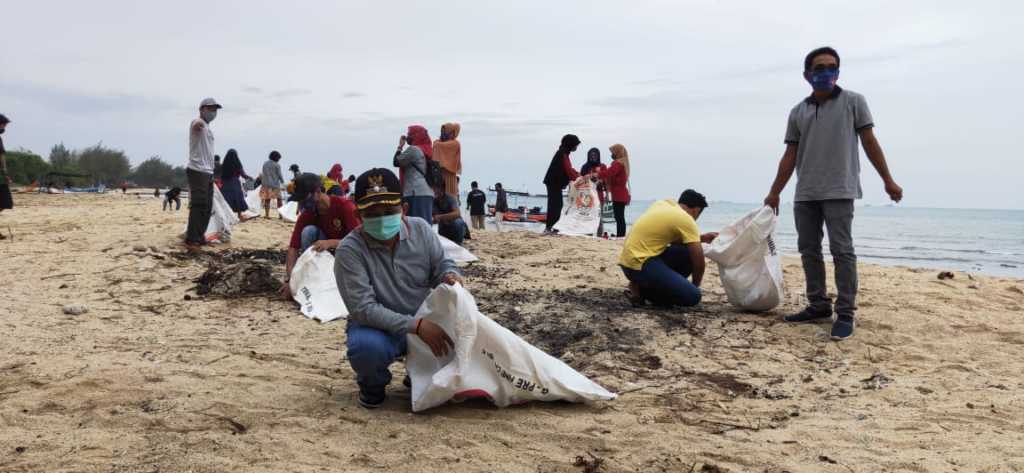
<point>271,177</point>
<point>413,163</point>
<point>827,159</point>
<point>384,290</point>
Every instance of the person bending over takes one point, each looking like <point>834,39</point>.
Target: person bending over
<point>385,270</point>
<point>324,220</point>
<point>447,216</point>
<point>663,250</point>
<point>173,195</point>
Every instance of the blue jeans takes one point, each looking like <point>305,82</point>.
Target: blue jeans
<point>370,352</point>
<point>421,206</point>
<point>311,234</point>
<point>663,278</point>
<point>454,231</point>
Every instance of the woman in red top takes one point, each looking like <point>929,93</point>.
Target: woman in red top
<point>616,178</point>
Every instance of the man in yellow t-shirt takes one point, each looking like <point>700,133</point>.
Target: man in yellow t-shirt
<point>663,249</point>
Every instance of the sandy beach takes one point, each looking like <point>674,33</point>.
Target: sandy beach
<point>156,378</point>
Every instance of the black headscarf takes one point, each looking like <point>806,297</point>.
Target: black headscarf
<point>232,166</point>
<point>556,174</point>
<point>593,161</point>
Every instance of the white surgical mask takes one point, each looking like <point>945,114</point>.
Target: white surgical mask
<point>208,115</point>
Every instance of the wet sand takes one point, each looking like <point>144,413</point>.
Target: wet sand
<point>149,380</point>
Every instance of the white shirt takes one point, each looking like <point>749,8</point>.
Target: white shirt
<point>200,146</point>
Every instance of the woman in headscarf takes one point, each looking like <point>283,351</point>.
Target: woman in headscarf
<point>333,181</point>
<point>230,173</point>
<point>560,174</point>
<point>593,166</point>
<point>448,153</point>
<point>616,177</point>
<point>411,162</point>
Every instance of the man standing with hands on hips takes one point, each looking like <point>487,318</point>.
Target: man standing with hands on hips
<point>200,174</point>
<point>821,145</point>
<point>385,269</point>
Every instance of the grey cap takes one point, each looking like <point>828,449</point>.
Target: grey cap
<point>209,102</point>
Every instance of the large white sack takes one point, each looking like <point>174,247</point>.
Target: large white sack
<point>582,213</point>
<point>488,361</point>
<point>455,252</point>
<point>749,264</point>
<point>314,287</point>
<point>252,199</point>
<point>290,211</point>
<point>222,218</point>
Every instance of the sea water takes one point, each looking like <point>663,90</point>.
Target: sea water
<point>973,240</point>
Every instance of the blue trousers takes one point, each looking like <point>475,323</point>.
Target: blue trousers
<point>454,230</point>
<point>663,278</point>
<point>370,352</point>
<point>421,206</point>
<point>311,234</point>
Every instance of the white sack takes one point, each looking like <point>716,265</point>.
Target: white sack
<point>252,199</point>
<point>314,287</point>
<point>582,213</point>
<point>290,211</point>
<point>222,218</point>
<point>748,261</point>
<point>455,252</point>
<point>488,361</point>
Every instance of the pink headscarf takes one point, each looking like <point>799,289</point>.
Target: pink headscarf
<point>419,138</point>
<point>335,173</point>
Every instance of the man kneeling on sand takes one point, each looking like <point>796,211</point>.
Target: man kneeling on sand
<point>663,249</point>
<point>385,270</point>
<point>324,221</point>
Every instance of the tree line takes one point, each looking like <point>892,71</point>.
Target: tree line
<point>91,166</point>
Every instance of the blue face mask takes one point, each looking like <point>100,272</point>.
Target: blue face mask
<point>824,81</point>
<point>383,228</point>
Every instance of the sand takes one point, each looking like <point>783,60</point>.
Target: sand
<point>149,381</point>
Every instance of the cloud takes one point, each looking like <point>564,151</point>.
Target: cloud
<point>252,90</point>
<point>353,95</point>
<point>289,93</point>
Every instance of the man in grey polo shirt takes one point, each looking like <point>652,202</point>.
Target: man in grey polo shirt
<point>385,269</point>
<point>821,145</point>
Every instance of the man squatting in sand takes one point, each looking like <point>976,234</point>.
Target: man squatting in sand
<point>385,269</point>
<point>664,248</point>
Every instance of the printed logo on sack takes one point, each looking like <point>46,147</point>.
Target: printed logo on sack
<point>771,245</point>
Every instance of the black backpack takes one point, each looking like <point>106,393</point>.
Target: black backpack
<point>433,173</point>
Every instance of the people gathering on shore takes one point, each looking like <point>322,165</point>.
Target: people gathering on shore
<point>388,257</point>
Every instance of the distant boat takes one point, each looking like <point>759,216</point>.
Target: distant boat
<point>511,192</point>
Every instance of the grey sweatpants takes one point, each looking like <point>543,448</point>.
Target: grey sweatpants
<point>837,218</point>
<point>200,204</point>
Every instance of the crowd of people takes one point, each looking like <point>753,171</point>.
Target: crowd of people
<point>388,257</point>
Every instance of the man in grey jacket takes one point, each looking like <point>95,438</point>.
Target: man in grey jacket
<point>385,269</point>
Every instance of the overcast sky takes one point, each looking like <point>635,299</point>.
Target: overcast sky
<point>698,91</point>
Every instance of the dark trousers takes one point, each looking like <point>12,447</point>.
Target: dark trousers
<point>663,278</point>
<point>454,230</point>
<point>200,204</point>
<point>620,218</point>
<point>175,200</point>
<point>555,202</point>
<point>837,217</point>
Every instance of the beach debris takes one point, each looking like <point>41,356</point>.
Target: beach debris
<point>946,275</point>
<point>139,248</point>
<point>877,381</point>
<point>593,465</point>
<point>826,459</point>
<point>75,309</point>
<point>246,278</point>
<point>19,450</point>
<point>924,390</point>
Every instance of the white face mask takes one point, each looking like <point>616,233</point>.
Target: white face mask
<point>208,115</point>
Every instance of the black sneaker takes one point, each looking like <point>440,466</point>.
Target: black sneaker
<point>842,328</point>
<point>371,401</point>
<point>809,315</point>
